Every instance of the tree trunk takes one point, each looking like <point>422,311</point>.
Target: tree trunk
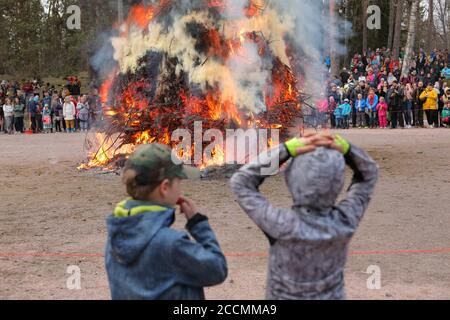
<point>409,4</point>
<point>346,59</point>
<point>392,7</point>
<point>364,24</point>
<point>333,50</point>
<point>444,15</point>
<point>447,41</point>
<point>398,30</point>
<point>120,11</point>
<point>411,37</point>
<point>430,28</point>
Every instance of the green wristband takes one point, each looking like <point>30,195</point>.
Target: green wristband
<point>293,145</point>
<point>338,140</point>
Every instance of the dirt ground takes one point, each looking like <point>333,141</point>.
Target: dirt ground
<point>53,216</point>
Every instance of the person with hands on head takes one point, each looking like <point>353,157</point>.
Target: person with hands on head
<point>146,259</point>
<point>430,98</point>
<point>309,242</point>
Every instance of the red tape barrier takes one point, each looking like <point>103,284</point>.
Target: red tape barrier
<point>228,254</point>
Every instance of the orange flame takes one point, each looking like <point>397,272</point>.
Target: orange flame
<point>141,16</point>
<point>217,105</point>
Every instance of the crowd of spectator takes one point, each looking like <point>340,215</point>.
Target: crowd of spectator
<point>373,93</point>
<point>37,108</point>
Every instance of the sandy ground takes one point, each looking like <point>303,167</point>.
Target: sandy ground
<point>52,217</point>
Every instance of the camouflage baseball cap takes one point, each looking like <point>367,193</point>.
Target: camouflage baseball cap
<point>154,163</point>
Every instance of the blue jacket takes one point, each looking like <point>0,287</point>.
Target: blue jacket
<point>372,107</point>
<point>47,100</point>
<point>360,104</point>
<point>346,109</point>
<point>147,260</point>
<point>446,73</point>
<point>32,107</point>
<point>338,113</point>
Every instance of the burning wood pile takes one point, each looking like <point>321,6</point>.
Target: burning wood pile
<point>224,63</point>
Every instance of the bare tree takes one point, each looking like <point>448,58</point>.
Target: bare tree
<point>333,45</point>
<point>364,24</point>
<point>430,28</point>
<point>346,9</point>
<point>397,30</point>
<point>392,7</point>
<point>411,36</point>
<point>443,8</point>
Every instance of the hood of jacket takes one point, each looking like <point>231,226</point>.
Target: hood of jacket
<point>316,179</point>
<point>128,236</point>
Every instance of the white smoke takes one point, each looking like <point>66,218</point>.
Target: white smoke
<point>252,73</point>
<point>242,78</point>
<point>311,36</point>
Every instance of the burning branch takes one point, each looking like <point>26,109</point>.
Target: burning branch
<point>224,80</point>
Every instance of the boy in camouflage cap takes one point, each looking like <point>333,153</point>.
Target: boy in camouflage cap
<point>309,242</point>
<point>145,257</point>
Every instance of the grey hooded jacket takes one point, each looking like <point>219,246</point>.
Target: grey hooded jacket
<point>309,242</point>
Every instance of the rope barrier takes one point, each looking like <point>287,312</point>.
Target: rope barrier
<point>227,254</point>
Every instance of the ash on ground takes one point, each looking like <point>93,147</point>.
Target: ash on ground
<point>220,172</point>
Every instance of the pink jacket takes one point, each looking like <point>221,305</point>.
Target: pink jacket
<point>382,109</point>
<point>322,105</point>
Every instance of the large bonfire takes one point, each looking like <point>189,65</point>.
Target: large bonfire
<point>225,63</point>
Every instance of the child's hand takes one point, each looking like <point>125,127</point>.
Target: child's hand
<point>316,140</point>
<point>341,145</point>
<point>188,207</point>
<point>308,143</point>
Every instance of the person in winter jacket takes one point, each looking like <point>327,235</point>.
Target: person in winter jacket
<point>445,116</point>
<point>47,99</point>
<point>446,96</point>
<point>57,111</point>
<point>47,118</point>
<point>440,101</point>
<point>322,110</point>
<point>345,111</point>
<point>33,109</point>
<point>430,97</point>
<point>19,113</point>
<point>360,106</point>
<point>396,105</point>
<point>332,105</point>
<point>338,117</point>
<point>409,101</point>
<point>69,114</point>
<point>418,105</point>
<point>83,114</point>
<point>309,242</point>
<point>382,109</point>
<point>8,111</point>
<point>39,123</point>
<point>445,73</point>
<point>371,103</point>
<point>371,79</point>
<point>147,259</point>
